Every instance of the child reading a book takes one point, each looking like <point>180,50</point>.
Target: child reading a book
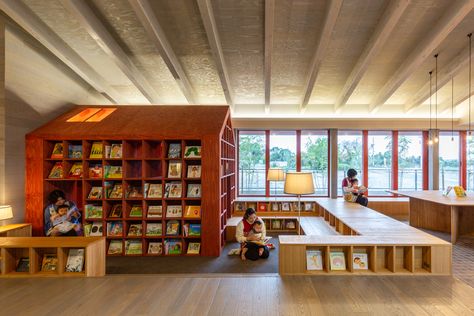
<point>348,189</point>
<point>64,221</point>
<point>244,237</point>
<point>256,232</point>
<point>57,199</point>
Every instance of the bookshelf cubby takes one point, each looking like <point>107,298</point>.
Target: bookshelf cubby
<point>141,147</point>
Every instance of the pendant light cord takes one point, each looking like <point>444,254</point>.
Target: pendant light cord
<point>452,108</point>
<point>436,91</point>
<point>470,41</point>
<point>431,72</point>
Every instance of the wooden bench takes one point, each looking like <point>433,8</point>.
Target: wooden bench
<point>396,207</point>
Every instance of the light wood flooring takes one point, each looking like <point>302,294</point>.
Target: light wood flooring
<point>236,295</point>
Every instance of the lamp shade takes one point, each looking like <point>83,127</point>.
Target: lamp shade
<point>6,212</point>
<point>299,183</point>
<point>275,174</point>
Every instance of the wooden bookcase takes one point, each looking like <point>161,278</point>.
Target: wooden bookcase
<point>145,135</point>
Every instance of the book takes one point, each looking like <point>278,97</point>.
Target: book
<point>360,261</point>
<point>50,262</point>
<point>447,190</point>
<point>459,191</point>
<point>174,150</point>
<point>154,229</point>
<point>116,192</point>
<point>308,206</point>
<point>23,265</point>
<point>192,152</point>
<point>194,171</point>
<point>76,170</point>
<point>96,229</point>
<point>194,230</point>
<point>173,247</point>
<point>174,169</point>
<point>113,172</point>
<point>116,211</point>
<point>155,190</point>
<point>95,171</point>
<point>314,260</point>
<point>57,172</point>
<point>114,229</point>
<point>75,260</point>
<point>155,211</point>
<point>96,150</point>
<point>262,207</point>
<point>155,248</point>
<point>134,192</point>
<point>192,211</point>
<point>135,230</point>
<point>276,224</point>
<point>115,247</point>
<point>290,224</point>
<point>285,206</point>
<point>136,211</point>
<point>95,193</point>
<point>58,151</point>
<point>93,211</point>
<point>239,206</point>
<point>75,151</point>
<point>133,247</point>
<point>174,211</point>
<point>275,206</point>
<point>87,229</point>
<point>146,186</point>
<point>115,151</point>
<point>337,260</point>
<point>194,248</point>
<point>172,228</point>
<point>173,189</point>
<point>194,190</point>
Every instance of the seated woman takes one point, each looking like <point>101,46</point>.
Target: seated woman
<point>350,192</point>
<point>251,241</point>
<point>59,222</point>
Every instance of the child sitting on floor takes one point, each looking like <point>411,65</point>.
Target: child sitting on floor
<point>256,231</point>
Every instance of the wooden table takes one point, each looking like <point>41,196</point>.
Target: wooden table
<point>432,210</point>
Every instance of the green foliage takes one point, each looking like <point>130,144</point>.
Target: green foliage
<point>316,155</point>
<point>283,158</point>
<point>251,151</point>
<point>349,154</point>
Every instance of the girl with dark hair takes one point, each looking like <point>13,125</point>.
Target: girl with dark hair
<point>244,237</point>
<point>56,224</point>
<point>348,190</point>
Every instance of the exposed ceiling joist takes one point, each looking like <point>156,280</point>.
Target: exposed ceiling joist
<point>326,32</point>
<point>455,66</point>
<point>445,107</point>
<point>207,16</point>
<point>269,23</point>
<point>31,23</point>
<point>387,23</point>
<point>456,13</point>
<point>104,39</point>
<point>147,18</point>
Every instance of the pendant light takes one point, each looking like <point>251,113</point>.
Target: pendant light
<point>436,98</point>
<point>470,47</point>
<point>452,109</point>
<point>430,141</point>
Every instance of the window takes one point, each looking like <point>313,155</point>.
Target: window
<point>448,159</point>
<point>410,171</point>
<point>282,155</point>
<point>349,154</point>
<point>380,162</point>
<point>314,158</point>
<point>252,163</point>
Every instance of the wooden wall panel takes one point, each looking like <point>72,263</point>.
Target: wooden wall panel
<point>34,185</point>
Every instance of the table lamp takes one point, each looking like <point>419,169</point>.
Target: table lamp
<point>5,212</point>
<point>275,174</point>
<point>299,183</point>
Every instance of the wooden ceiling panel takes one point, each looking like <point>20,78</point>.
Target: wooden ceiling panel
<point>241,29</point>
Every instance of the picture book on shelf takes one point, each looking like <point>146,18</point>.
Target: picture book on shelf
<point>135,230</point>
<point>360,261</point>
<point>155,190</point>
<point>93,211</point>
<point>136,211</point>
<point>459,191</point>
<point>192,211</point>
<point>116,211</point>
<point>95,171</point>
<point>96,229</point>
<point>174,211</point>
<point>262,207</point>
<point>115,247</point>
<point>285,206</point>
<point>115,151</point>
<point>173,246</point>
<point>58,151</point>
<point>154,229</point>
<point>95,193</point>
<point>114,229</point>
<point>96,150</point>
<point>50,262</point>
<point>134,192</point>
<point>290,224</point>
<point>174,150</point>
<point>87,229</point>
<point>314,260</point>
<point>239,206</point>
<point>172,228</point>
<point>192,152</point>
<point>155,211</point>
<point>194,171</point>
<point>75,151</point>
<point>194,190</point>
<point>76,170</point>
<point>155,248</point>
<point>308,206</point>
<point>75,260</point>
<point>57,172</point>
<point>276,224</point>
<point>116,192</point>
<point>113,172</point>
<point>173,189</point>
<point>447,190</point>
<point>174,169</point>
<point>133,247</point>
<point>194,248</point>
<point>337,260</point>
<point>275,207</point>
<point>23,265</point>
<point>194,230</point>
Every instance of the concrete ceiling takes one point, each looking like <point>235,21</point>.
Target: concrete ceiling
<point>266,58</point>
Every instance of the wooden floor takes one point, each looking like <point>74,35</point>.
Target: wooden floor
<point>236,295</point>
